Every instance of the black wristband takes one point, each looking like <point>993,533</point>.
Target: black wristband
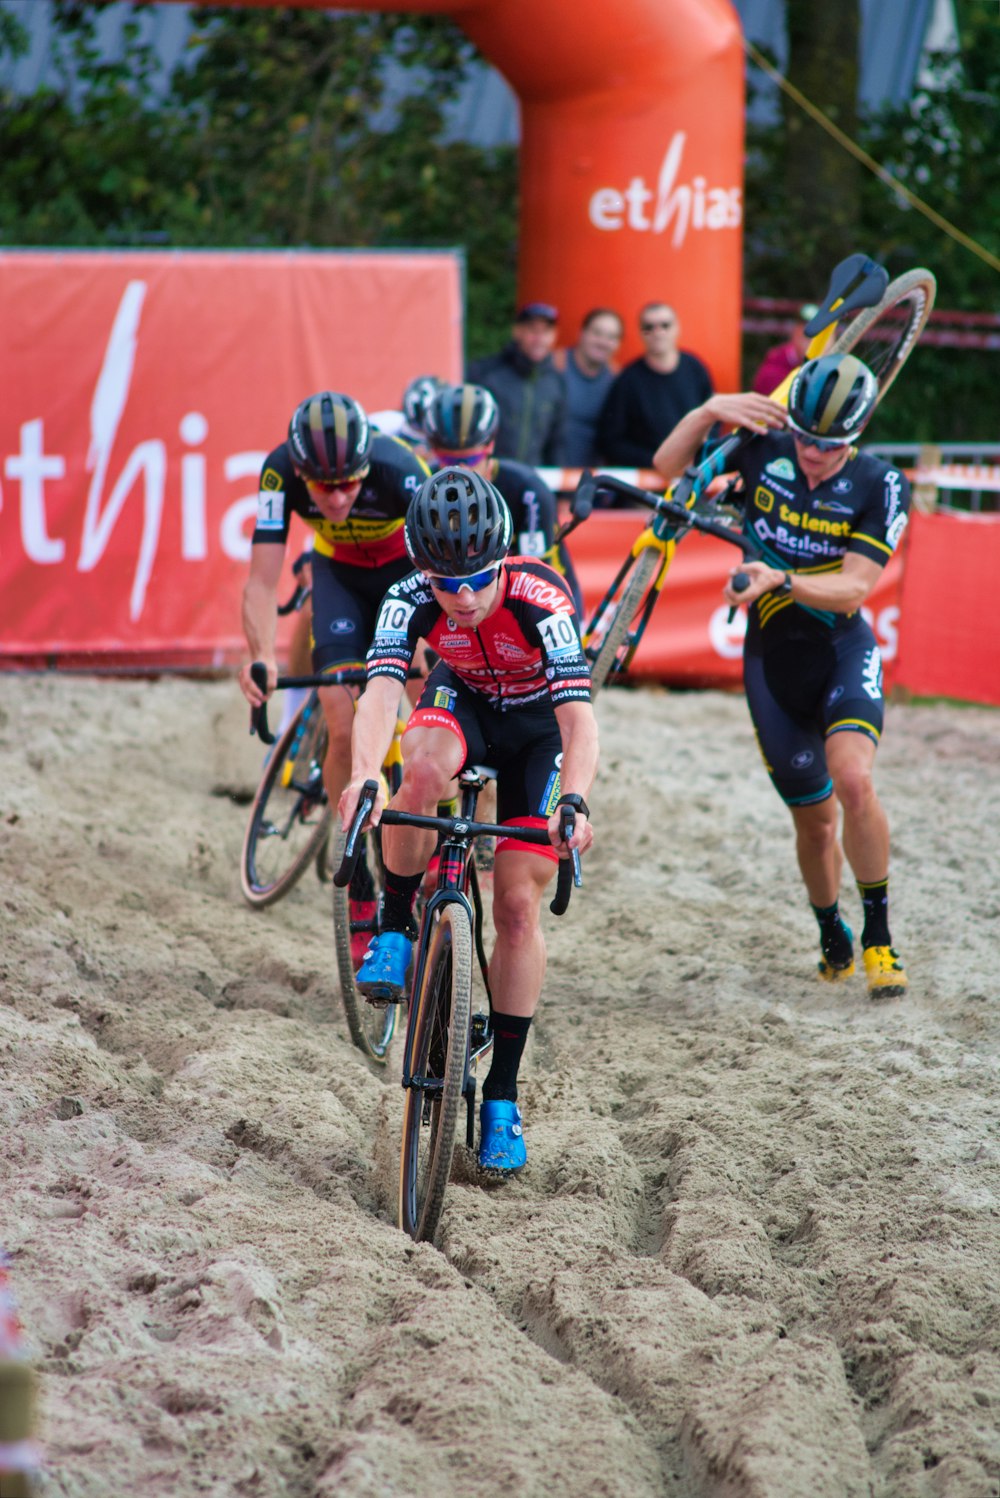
<point>577,802</point>
<point>784,587</point>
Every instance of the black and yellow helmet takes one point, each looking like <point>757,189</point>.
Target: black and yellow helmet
<point>330,438</point>
<point>832,397</point>
<point>461,418</point>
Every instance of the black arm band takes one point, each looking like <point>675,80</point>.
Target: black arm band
<point>577,803</point>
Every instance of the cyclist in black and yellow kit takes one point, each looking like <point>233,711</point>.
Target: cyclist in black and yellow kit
<point>351,486</point>
<point>826,518</point>
<point>511,690</point>
<point>460,424</point>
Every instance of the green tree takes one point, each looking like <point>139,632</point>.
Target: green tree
<point>944,147</point>
<point>265,137</point>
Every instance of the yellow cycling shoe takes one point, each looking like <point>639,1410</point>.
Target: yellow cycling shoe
<point>837,961</point>
<point>885,973</point>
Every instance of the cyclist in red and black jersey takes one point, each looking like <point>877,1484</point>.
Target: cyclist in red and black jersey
<point>460,425</point>
<point>826,518</point>
<point>511,690</point>
<point>351,486</point>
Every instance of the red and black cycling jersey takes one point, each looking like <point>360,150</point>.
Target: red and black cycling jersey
<point>861,510</point>
<point>372,534</point>
<point>527,649</point>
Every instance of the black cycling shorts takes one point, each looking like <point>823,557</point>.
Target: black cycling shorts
<point>345,602</point>
<point>802,692</point>
<point>524,746</point>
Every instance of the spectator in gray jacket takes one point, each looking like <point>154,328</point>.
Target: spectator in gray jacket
<point>589,376</point>
<point>528,388</point>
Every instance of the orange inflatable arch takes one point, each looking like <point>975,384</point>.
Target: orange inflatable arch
<point>631,155</point>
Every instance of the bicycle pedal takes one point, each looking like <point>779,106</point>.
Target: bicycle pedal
<point>480,1029</point>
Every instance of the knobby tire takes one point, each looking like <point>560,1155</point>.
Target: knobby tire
<point>884,336</point>
<point>440,1053</point>
<point>634,590</point>
<point>286,828</point>
<point>371,1027</point>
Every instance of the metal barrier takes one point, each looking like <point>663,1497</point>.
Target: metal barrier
<point>947,476</point>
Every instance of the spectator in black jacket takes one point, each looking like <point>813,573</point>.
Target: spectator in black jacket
<point>652,393</point>
<point>529,390</point>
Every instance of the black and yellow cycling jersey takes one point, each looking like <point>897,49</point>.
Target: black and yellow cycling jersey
<point>861,510</point>
<point>372,534</point>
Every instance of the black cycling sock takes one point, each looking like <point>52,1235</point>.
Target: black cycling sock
<point>875,899</point>
<point>833,939</point>
<point>510,1031</point>
<point>397,903</point>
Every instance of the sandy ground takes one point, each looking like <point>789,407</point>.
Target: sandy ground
<point>755,1249</point>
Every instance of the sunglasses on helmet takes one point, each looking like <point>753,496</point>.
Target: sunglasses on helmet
<point>474,582</point>
<point>821,444</point>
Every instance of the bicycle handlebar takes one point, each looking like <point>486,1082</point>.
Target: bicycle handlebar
<point>570,871</point>
<point>349,676</point>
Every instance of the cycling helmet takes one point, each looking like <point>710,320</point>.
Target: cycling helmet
<point>832,397</point>
<point>461,418</point>
<point>417,397</point>
<point>457,524</point>
<point>330,438</point>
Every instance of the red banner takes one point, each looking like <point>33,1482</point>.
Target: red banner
<point>947,644</point>
<point>689,640</point>
<point>140,393</point>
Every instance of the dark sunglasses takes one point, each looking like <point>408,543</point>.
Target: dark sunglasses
<point>461,460</point>
<point>821,444</point>
<point>650,327</point>
<point>475,582</point>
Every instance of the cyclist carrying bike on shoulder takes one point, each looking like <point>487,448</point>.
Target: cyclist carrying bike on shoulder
<point>512,691</point>
<point>826,518</point>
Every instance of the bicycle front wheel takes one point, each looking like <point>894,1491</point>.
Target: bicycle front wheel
<point>633,592</point>
<point>884,336</point>
<point>355,914</point>
<point>440,1028</point>
<point>289,817</point>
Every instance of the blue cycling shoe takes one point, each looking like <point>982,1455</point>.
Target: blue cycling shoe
<point>501,1145</point>
<point>382,974</point>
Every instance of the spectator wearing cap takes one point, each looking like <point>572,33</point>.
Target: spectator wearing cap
<point>528,389</point>
<point>589,375</point>
<point>779,361</point>
<point>652,393</point>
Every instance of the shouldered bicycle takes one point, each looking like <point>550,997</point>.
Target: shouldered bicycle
<point>445,1037</point>
<point>864,313</point>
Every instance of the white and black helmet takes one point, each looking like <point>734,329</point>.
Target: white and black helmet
<point>457,524</point>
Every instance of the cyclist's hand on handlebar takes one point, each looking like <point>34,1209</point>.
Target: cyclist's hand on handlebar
<point>249,687</point>
<point>583,833</point>
<point>762,579</point>
<point>755,413</point>
<point>351,795</point>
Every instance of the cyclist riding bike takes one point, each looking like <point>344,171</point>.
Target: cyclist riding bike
<point>460,425</point>
<point>351,486</point>
<point>512,691</point>
<point>826,518</point>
